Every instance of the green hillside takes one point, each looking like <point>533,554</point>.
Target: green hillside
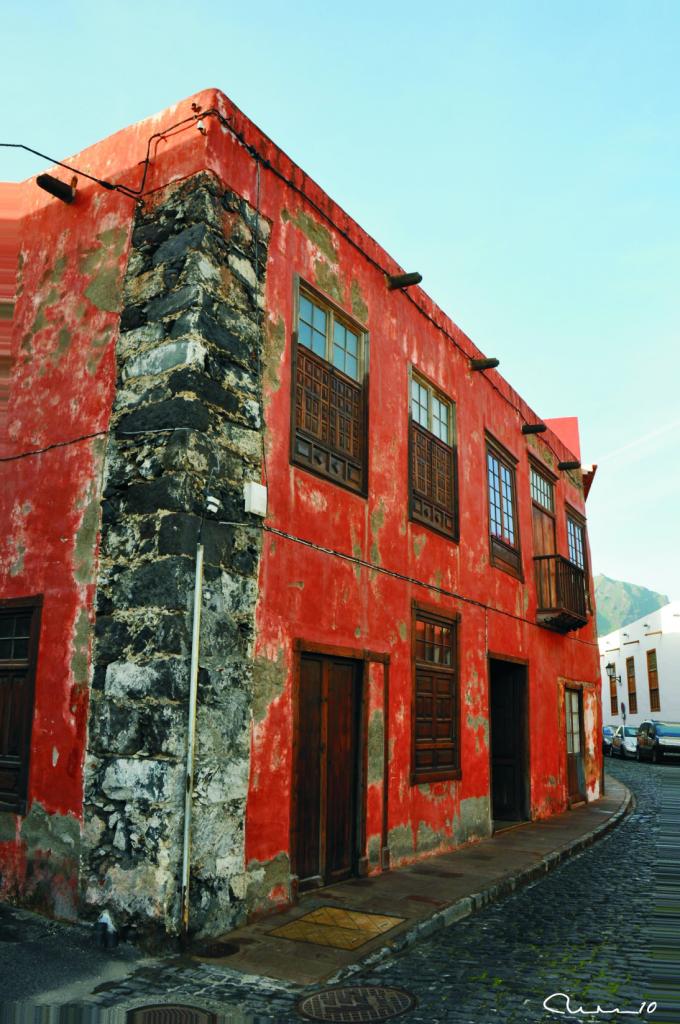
<point>619,604</point>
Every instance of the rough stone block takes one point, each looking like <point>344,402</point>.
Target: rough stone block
<point>172,413</point>
<point>132,778</point>
<point>163,678</point>
<point>165,357</point>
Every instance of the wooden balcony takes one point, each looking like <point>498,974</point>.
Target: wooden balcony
<point>562,599</point>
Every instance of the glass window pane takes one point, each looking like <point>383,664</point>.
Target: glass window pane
<point>5,650</point>
<point>305,334</point>
<point>352,342</point>
<point>351,367</point>
<point>6,625</point>
<point>305,309</point>
<point>319,319</point>
<point>319,344</point>
<point>20,649</point>
<point>338,357</point>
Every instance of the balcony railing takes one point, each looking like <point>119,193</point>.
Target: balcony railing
<point>562,600</point>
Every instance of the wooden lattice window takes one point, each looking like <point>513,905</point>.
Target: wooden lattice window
<point>19,623</point>
<point>653,677</point>
<point>632,690</point>
<point>433,459</point>
<point>436,747</point>
<point>329,406</point>
<point>503,526</point>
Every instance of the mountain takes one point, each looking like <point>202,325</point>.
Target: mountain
<point>619,604</point>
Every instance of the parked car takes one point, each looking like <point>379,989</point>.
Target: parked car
<point>624,741</point>
<point>656,740</point>
<point>607,733</point>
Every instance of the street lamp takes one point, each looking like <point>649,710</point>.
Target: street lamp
<point>610,669</point>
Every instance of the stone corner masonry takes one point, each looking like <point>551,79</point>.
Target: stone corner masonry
<point>186,417</point>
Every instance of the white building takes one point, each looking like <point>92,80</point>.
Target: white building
<point>641,669</point>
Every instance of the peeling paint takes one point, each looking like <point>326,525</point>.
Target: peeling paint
<point>319,235</point>
<point>328,281</point>
<point>359,307</point>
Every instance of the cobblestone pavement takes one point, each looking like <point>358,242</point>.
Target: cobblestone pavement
<point>579,931</point>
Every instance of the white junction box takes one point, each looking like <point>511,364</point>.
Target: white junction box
<point>255,496</point>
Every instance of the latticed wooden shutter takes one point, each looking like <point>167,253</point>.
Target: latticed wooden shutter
<point>432,481</point>
<point>329,424</point>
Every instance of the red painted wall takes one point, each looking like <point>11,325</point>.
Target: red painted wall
<point>62,389</point>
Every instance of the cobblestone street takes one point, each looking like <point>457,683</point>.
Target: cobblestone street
<point>579,931</point>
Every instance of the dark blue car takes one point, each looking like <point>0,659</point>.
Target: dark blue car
<point>607,734</point>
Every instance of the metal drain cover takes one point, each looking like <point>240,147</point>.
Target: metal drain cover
<point>356,1004</point>
<point>169,1013</point>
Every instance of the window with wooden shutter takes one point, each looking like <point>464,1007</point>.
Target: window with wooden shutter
<point>613,697</point>
<point>436,748</point>
<point>329,409</point>
<point>433,459</point>
<point>503,526</point>
<point>632,691</point>
<point>19,622</point>
<point>653,677</point>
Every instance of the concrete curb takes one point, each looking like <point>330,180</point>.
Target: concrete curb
<point>477,901</point>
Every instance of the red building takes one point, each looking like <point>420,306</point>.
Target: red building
<point>397,658</point>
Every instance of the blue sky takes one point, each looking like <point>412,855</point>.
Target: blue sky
<point>522,156</point>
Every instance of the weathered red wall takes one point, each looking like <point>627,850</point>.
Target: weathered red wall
<point>66,320</point>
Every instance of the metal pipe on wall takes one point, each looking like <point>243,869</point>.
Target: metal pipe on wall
<point>191,735</point>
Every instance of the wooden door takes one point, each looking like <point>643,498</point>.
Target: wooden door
<point>575,770</point>
<point>327,770</point>
<point>544,544</point>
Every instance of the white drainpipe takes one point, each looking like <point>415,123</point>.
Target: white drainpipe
<point>191,735</point>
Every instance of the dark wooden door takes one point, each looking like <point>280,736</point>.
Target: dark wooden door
<point>327,767</point>
<point>575,770</point>
<point>507,741</point>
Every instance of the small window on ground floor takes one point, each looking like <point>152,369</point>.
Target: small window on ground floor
<point>19,624</point>
<point>436,742</point>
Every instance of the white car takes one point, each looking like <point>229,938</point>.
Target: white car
<point>624,741</point>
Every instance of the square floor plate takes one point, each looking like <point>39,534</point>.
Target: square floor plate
<point>334,926</point>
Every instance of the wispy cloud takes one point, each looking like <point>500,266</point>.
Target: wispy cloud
<point>653,435</point>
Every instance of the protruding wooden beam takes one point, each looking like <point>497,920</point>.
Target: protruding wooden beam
<point>403,280</point>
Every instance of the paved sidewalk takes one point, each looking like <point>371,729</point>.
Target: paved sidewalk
<point>427,896</point>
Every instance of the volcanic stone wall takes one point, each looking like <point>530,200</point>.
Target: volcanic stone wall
<point>186,419</point>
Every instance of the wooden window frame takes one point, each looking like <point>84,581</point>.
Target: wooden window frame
<point>17,804</point>
<point>504,556</point>
<point>613,696</point>
<point>420,499</point>
<point>654,705</point>
<point>308,451</point>
<point>632,690</point>
<point>548,478</point>
<point>578,520</point>
<point>451,621</point>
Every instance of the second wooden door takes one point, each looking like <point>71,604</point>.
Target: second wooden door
<point>326,770</point>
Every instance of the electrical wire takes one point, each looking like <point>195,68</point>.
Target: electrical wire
<point>407,579</point>
<point>49,447</point>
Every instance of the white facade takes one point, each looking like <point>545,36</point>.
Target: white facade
<point>659,632</point>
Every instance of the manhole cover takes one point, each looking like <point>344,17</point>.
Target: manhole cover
<point>360,1003</point>
<point>169,1013</point>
